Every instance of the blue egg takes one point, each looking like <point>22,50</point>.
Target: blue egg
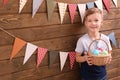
<point>96,52</point>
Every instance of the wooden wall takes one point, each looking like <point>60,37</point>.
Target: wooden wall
<point>51,35</point>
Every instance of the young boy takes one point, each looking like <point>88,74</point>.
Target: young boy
<point>93,21</point>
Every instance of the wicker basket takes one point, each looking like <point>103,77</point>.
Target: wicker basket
<point>99,60</point>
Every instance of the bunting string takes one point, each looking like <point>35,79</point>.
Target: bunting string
<point>31,48</point>
<point>6,31</point>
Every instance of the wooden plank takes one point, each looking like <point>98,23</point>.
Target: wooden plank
<point>115,63</point>
<point>38,34</point>
<point>62,76</point>
<point>113,73</point>
<point>11,21</point>
<point>116,78</point>
<point>40,72</point>
<point>26,21</point>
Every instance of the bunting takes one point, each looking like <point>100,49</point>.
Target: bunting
<point>112,38</point>
<point>36,5</point>
<point>90,5</point>
<point>63,58</point>
<point>30,49</point>
<point>52,57</point>
<point>107,5</point>
<point>62,9</point>
<point>99,4</point>
<point>22,4</point>
<point>50,7</point>
<point>82,8</point>
<point>115,2</point>
<point>5,2</point>
<point>72,59</point>
<point>41,55</point>
<point>18,44</point>
<point>72,9</point>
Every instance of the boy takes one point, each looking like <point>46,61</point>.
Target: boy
<point>93,21</point>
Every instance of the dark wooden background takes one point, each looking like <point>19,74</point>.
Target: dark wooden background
<point>51,35</point>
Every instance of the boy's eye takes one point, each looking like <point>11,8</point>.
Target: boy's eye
<point>89,20</point>
<point>96,20</point>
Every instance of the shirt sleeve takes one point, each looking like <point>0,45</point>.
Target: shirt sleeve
<point>79,46</point>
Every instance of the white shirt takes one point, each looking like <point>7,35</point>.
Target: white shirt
<point>84,42</point>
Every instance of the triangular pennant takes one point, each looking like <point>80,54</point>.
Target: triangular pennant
<point>5,2</point>
<point>112,38</point>
<point>36,5</point>
<point>50,7</point>
<point>72,9</point>
<point>115,2</point>
<point>107,5</point>
<point>72,59</point>
<point>22,4</point>
<point>41,55</point>
<point>30,49</point>
<point>63,58</point>
<point>82,8</point>
<point>99,4</point>
<point>52,57</point>
<point>18,44</point>
<point>62,9</point>
<point>90,5</point>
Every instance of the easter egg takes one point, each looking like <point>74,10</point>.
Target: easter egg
<point>100,49</point>
<point>96,52</point>
<point>105,52</point>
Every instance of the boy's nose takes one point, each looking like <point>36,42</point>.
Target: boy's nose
<point>93,23</point>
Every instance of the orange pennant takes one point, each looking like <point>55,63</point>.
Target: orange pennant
<point>18,44</point>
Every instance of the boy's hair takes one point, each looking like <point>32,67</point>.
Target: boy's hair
<point>92,11</point>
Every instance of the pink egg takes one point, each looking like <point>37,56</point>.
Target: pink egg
<point>100,49</point>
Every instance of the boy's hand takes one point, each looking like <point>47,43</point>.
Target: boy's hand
<point>109,59</point>
<point>88,58</point>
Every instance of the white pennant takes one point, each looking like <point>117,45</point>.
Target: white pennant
<point>36,5</point>
<point>115,2</point>
<point>29,51</point>
<point>99,4</point>
<point>62,9</point>
<point>82,8</point>
<point>63,58</point>
<point>22,4</point>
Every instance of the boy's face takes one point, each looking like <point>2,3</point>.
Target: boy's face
<point>93,22</point>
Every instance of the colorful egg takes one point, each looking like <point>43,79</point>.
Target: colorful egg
<point>105,52</point>
<point>96,52</point>
<point>100,49</point>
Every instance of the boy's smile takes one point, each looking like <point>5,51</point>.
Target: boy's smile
<point>93,22</point>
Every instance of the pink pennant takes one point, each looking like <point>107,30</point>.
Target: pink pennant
<point>72,9</point>
<point>5,2</point>
<point>72,59</point>
<point>107,5</point>
<point>41,55</point>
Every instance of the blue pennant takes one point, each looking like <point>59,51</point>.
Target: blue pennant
<point>112,38</point>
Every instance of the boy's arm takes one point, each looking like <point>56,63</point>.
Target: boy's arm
<point>80,58</point>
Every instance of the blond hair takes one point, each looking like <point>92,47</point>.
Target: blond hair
<point>92,11</point>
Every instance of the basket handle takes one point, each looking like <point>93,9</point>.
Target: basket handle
<point>96,40</point>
